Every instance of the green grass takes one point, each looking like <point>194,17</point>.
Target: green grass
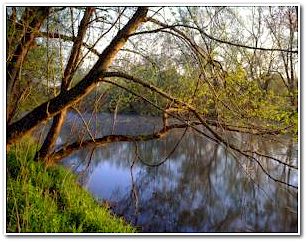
<point>41,199</point>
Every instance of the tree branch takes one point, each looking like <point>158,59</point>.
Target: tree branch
<point>197,115</point>
<point>21,51</point>
<point>67,150</point>
<point>68,98</point>
<point>54,35</point>
<point>173,27</point>
<point>15,63</point>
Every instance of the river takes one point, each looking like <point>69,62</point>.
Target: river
<point>201,187</point>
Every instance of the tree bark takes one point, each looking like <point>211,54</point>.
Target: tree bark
<point>20,53</point>
<point>69,71</point>
<point>69,149</point>
<point>67,98</point>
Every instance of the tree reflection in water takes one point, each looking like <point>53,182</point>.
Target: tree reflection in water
<point>202,187</point>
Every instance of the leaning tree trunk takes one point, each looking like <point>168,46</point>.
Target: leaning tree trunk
<point>38,15</point>
<point>67,98</point>
<point>69,71</point>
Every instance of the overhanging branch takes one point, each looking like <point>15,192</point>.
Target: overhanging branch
<point>197,115</point>
<point>173,27</point>
<point>67,150</point>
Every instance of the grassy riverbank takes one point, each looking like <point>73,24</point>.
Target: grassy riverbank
<point>43,199</point>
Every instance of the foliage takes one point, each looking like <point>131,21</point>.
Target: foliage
<point>249,103</point>
<point>239,100</point>
<point>38,81</point>
<point>41,199</point>
<point>169,80</point>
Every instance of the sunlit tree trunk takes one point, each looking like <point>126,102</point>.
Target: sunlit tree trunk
<point>72,63</point>
<point>67,98</point>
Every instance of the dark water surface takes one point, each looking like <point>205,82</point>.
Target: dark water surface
<point>201,187</point>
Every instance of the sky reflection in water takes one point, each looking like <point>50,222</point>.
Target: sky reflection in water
<point>200,188</point>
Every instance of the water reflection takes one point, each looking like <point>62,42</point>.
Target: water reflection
<point>202,187</point>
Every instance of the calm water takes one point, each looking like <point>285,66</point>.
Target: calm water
<point>201,187</point>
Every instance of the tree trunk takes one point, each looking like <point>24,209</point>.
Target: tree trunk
<point>69,71</point>
<point>20,53</point>
<point>67,98</point>
<point>51,137</point>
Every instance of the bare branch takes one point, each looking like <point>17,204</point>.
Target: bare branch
<point>272,158</point>
<point>67,38</point>
<point>157,164</point>
<point>67,150</point>
<point>84,123</point>
<point>173,27</point>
